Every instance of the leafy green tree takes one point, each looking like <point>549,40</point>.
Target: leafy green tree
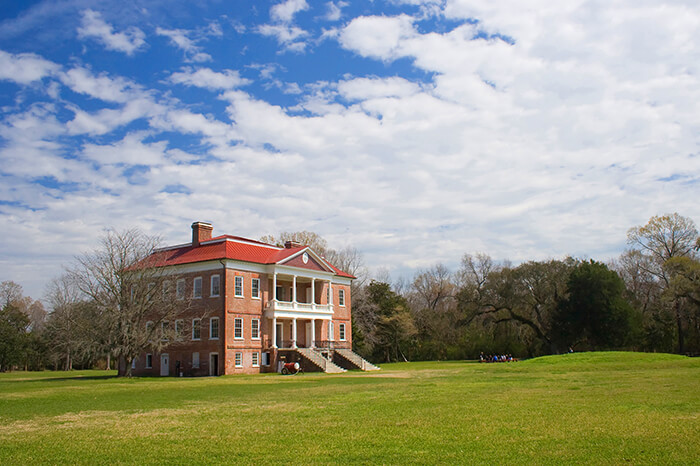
<point>14,325</point>
<point>661,239</point>
<point>595,313</point>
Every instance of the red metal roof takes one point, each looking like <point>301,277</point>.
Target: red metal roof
<point>230,247</point>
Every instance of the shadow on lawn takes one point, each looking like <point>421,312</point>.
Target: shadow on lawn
<point>61,379</point>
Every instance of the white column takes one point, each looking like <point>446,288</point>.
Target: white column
<point>313,292</point>
<point>313,333</point>
<point>274,287</point>
<point>330,292</point>
<point>274,332</point>
<point>294,332</point>
<point>294,289</point>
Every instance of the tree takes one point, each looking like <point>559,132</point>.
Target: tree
<point>305,238</point>
<point>385,321</point>
<point>595,311</point>
<point>14,325</point>
<point>684,288</point>
<point>663,238</point>
<point>523,297</point>
<point>130,293</point>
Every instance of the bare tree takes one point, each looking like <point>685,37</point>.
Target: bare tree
<point>306,238</point>
<point>132,293</point>
<point>662,239</point>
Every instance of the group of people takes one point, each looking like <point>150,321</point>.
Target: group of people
<point>496,358</point>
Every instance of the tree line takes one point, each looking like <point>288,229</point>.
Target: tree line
<point>648,299</point>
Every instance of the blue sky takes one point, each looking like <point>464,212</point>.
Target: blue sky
<point>416,131</point>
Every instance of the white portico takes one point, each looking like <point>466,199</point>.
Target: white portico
<point>301,303</point>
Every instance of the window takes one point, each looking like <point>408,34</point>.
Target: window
<point>266,359</point>
<point>180,289</point>
<point>328,294</point>
<point>215,287</point>
<point>255,288</point>
<point>280,293</point>
<point>166,290</point>
<point>133,363</point>
<point>196,329</point>
<point>239,359</point>
<point>341,330</point>
<point>149,328</point>
<point>330,330</point>
<point>149,361</point>
<point>341,297</point>
<point>179,328</point>
<point>238,289</point>
<point>238,328</point>
<point>214,328</point>
<point>164,330</point>
<point>197,288</point>
<point>255,329</point>
<point>195,360</point>
<point>150,293</point>
<point>256,359</point>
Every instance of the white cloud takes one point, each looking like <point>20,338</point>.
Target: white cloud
<point>128,41</point>
<point>101,87</point>
<point>286,35</point>
<point>372,88</point>
<point>334,10</point>
<point>377,36</point>
<point>209,79</point>
<point>285,11</point>
<point>179,37</point>
<point>25,68</point>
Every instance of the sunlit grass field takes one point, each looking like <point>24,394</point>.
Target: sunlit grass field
<point>609,408</point>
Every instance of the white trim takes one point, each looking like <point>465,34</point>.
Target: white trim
<point>252,359</point>
<point>211,366</point>
<point>341,292</point>
<point>251,328</point>
<point>251,288</point>
<point>218,328</point>
<point>149,356</point>
<point>184,289</point>
<point>237,319</point>
<point>299,315</point>
<point>211,286</point>
<point>236,361</point>
<point>235,284</point>
<point>195,366</point>
<point>342,335</point>
<point>194,287</point>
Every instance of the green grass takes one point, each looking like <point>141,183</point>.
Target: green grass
<point>608,408</point>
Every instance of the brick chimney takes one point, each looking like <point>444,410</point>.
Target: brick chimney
<point>292,244</point>
<point>201,231</point>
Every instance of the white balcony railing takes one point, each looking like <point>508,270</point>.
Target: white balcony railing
<point>276,305</point>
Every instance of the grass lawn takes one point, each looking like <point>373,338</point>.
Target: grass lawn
<point>596,408</point>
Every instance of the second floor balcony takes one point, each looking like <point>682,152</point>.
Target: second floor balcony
<point>276,305</point>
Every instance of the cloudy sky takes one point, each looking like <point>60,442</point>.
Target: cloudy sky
<point>416,131</point>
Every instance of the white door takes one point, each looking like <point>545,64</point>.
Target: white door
<point>308,335</point>
<point>164,365</point>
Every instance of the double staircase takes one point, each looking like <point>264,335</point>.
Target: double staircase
<point>339,360</point>
<point>316,358</point>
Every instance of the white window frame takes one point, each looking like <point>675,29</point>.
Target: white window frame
<point>197,289</point>
<point>218,285</point>
<point>341,331</point>
<point>255,288</point>
<point>195,360</point>
<point>237,327</point>
<point>197,322</point>
<point>255,359</point>
<point>166,290</point>
<point>133,363</point>
<point>236,287</point>
<point>265,359</point>
<point>149,361</point>
<point>211,328</point>
<point>238,359</point>
<point>180,289</point>
<point>341,298</point>
<point>255,329</point>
